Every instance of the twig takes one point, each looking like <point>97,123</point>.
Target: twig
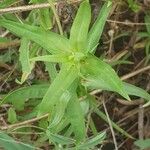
<point>127,23</point>
<point>28,7</point>
<point>127,76</point>
<point>141,122</point>
<point>24,122</point>
<point>23,8</point>
<point>130,103</point>
<point>111,128</point>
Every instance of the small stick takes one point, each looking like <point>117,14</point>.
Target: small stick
<point>127,23</point>
<point>141,122</point>
<point>130,103</point>
<point>23,8</point>
<point>132,74</point>
<point>28,7</point>
<point>24,122</point>
<point>110,125</point>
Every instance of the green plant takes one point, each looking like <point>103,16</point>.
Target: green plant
<point>134,5</point>
<point>146,35</point>
<point>8,143</point>
<point>143,144</point>
<point>79,72</point>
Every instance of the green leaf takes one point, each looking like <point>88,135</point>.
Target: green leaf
<point>59,111</point>
<point>136,91</point>
<point>8,143</point>
<point>79,29</point>
<point>12,118</point>
<point>45,15</point>
<point>46,18</point>
<point>97,28</point>
<point>24,55</point>
<point>143,144</point>
<point>76,117</point>
<point>51,41</point>
<point>19,96</point>
<point>6,3</point>
<point>3,39</point>
<point>7,57</point>
<point>61,83</point>
<point>24,59</point>
<point>147,21</point>
<point>92,142</point>
<point>99,74</point>
<point>129,89</point>
<point>51,58</point>
<point>51,68</point>
<point>59,139</point>
<point>134,5</point>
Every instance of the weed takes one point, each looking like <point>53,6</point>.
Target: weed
<point>80,71</point>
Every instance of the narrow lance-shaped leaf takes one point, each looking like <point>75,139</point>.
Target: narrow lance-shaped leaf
<point>147,21</point>
<point>8,143</point>
<point>143,144</point>
<point>129,89</point>
<point>59,111</point>
<point>98,72</point>
<point>92,142</point>
<point>59,138</point>
<point>97,28</point>
<point>136,91</point>
<point>51,41</point>
<point>79,29</point>
<point>19,96</point>
<point>62,82</point>
<point>24,59</point>
<point>76,117</point>
<point>51,68</point>
<point>51,58</point>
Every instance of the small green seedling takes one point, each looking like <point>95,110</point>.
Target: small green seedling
<point>79,69</point>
